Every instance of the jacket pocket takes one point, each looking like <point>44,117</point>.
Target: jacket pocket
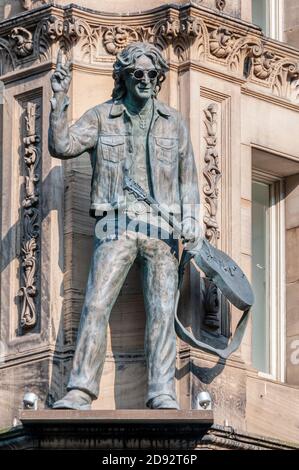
<point>166,149</point>
<point>113,147</point>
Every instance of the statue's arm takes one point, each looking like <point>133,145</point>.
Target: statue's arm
<point>64,141</point>
<point>188,182</point>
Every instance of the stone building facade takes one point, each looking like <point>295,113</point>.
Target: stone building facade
<point>238,90</point>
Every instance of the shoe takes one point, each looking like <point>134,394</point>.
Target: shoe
<point>74,400</point>
<point>163,402</point>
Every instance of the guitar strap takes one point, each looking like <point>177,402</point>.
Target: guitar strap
<point>190,339</point>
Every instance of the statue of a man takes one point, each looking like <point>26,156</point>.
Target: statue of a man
<point>137,135</point>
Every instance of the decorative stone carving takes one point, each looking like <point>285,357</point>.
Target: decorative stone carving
<point>243,51</point>
<point>21,41</point>
<point>74,28</point>
<point>262,65</point>
<point>212,175</point>
<point>169,29</point>
<point>190,32</point>
<point>190,27</point>
<point>29,4</point>
<point>178,32</point>
<point>7,60</point>
<point>117,38</point>
<point>285,83</point>
<point>220,4</point>
<point>30,221</point>
<point>181,33</point>
<point>221,42</point>
<point>66,33</point>
<point>53,27</point>
<point>191,35</point>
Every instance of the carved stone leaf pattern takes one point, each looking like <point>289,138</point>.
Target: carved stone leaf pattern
<point>66,33</point>
<point>189,32</point>
<point>244,49</point>
<point>285,82</point>
<point>191,37</point>
<point>212,175</point>
<point>30,216</point>
<point>181,33</point>
<point>168,29</point>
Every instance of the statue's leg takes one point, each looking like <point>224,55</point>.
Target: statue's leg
<point>160,280</point>
<point>110,264</point>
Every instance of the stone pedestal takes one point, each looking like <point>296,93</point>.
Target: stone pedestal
<point>129,430</point>
<point>116,429</point>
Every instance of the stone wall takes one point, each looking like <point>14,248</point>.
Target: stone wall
<point>230,7</point>
<point>291,22</point>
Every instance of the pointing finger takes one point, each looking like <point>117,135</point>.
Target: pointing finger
<point>65,68</point>
<point>67,65</point>
<point>59,59</point>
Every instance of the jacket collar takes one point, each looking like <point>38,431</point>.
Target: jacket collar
<point>118,108</point>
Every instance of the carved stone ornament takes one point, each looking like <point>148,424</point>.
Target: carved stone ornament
<point>221,42</point>
<point>220,4</point>
<point>286,81</point>
<point>53,27</point>
<point>262,65</point>
<point>30,221</point>
<point>191,34</point>
<point>21,41</point>
<point>29,4</point>
<point>212,175</point>
<point>116,39</point>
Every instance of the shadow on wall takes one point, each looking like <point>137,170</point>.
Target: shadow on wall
<point>8,254</point>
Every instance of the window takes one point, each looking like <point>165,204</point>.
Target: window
<point>268,278</point>
<point>260,275</point>
<point>268,14</point>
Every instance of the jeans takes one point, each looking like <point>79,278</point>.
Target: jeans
<point>111,262</point>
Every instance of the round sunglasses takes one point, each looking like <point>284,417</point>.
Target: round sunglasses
<point>140,74</point>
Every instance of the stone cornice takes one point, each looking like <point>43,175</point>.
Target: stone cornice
<point>185,34</point>
<point>270,99</point>
<point>49,429</point>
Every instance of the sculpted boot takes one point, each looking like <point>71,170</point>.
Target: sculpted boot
<point>74,400</point>
<point>163,402</point>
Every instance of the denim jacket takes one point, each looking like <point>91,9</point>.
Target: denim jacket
<point>105,131</point>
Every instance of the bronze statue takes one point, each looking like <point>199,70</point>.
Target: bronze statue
<point>133,134</point>
<point>144,197</point>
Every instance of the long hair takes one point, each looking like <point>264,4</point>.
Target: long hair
<point>127,58</point>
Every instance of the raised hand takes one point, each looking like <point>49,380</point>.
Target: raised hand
<point>61,78</point>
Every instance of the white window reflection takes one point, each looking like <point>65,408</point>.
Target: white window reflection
<point>260,276</point>
<point>268,14</point>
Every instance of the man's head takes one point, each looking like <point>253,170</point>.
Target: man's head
<point>139,71</point>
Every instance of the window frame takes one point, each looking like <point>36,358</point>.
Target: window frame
<point>277,275</point>
<point>274,19</point>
